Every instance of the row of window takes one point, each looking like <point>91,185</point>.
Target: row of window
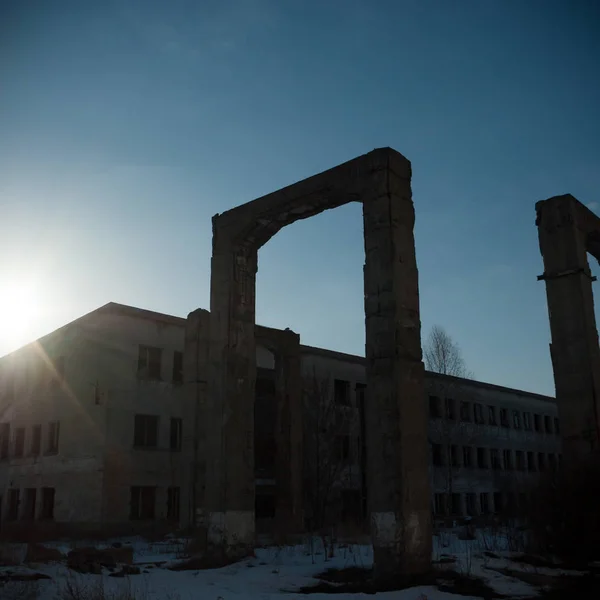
<point>486,458</point>
<point>145,432</point>
<point>33,442</point>
<point>28,508</point>
<point>150,364</point>
<point>482,503</point>
<point>142,503</point>
<point>474,412</point>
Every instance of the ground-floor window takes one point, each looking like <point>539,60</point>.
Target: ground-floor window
<point>29,498</point>
<point>47,508</point>
<point>173,502</point>
<point>143,503</point>
<point>264,502</point>
<point>484,503</point>
<point>12,510</point>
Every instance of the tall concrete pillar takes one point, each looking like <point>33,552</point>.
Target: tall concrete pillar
<point>567,231</point>
<point>396,419</point>
<point>229,497</point>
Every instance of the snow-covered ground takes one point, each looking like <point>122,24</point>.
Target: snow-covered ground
<point>276,572</point>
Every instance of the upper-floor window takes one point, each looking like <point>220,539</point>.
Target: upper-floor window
<point>541,461</point>
<point>4,440</point>
<point>548,424</point>
<point>537,422</point>
<point>520,456</point>
<point>436,455</point>
<point>53,435</point>
<point>531,466</point>
<point>341,392</point>
<point>36,440</point>
<point>482,458</point>
<point>342,447</point>
<point>527,421</point>
<point>177,367</point>
<point>504,417</point>
<point>19,442</point>
<point>492,415</point>
<point>145,434</point>
<point>507,460</point>
<point>516,419</point>
<point>556,426</point>
<point>467,456</point>
<point>495,459</point>
<point>176,434</point>
<point>149,361</point>
<point>478,410</point>
<point>465,412</point>
<point>454,460</point>
<point>450,409</point>
<point>435,411</point>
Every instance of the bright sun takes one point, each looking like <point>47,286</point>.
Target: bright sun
<point>19,309</point>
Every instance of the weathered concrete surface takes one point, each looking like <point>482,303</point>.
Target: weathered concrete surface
<point>397,420</point>
<point>567,231</point>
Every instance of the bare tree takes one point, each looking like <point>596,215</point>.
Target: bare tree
<point>452,426</point>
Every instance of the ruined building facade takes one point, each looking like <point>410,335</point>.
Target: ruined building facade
<point>99,429</point>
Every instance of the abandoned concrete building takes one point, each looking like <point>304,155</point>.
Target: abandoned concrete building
<point>98,430</point>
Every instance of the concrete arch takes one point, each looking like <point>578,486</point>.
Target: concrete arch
<point>396,411</point>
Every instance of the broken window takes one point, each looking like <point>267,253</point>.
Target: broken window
<point>531,461</point>
<point>4,440</point>
<point>436,455</point>
<point>527,421</point>
<point>492,415</point>
<point>516,419</point>
<point>470,500</point>
<point>434,407</point>
<point>29,497</point>
<point>482,458</point>
<point>175,436</point>
<point>12,513</point>
<point>53,435</point>
<point>508,460</point>
<point>478,410</point>
<point>36,440</point>
<point>520,456</point>
<point>547,424</point>
<point>142,503</point>
<point>541,461</point>
<point>495,459</point>
<point>504,417</point>
<point>537,423</point>
<point>465,412</point>
<point>467,456</point>
<point>450,409</point>
<point>145,434</point>
<point>341,392</point>
<point>177,367</point>
<point>173,501</point>
<point>149,360</point>
<point>19,442</point>
<point>47,508</point>
<point>454,456</point>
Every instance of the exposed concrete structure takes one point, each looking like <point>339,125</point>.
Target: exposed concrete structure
<point>567,232</point>
<point>395,415</point>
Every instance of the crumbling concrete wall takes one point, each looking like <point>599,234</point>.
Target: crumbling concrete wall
<point>567,232</point>
<point>396,415</point>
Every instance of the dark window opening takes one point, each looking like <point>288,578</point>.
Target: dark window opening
<point>177,367</point>
<point>173,502</point>
<point>467,456</point>
<point>149,360</point>
<point>478,409</point>
<point>29,497</point>
<point>482,458</point>
<point>47,509</point>
<point>145,433</point>
<point>465,412</point>
<point>264,503</point>
<point>19,442</point>
<point>508,460</point>
<point>454,461</point>
<point>455,506</point>
<point>537,423</point>
<point>342,447</point>
<point>4,440</point>
<point>341,392</point>
<point>520,460</point>
<point>53,435</point>
<point>531,461</point>
<point>484,503</point>
<point>527,421</point>
<point>435,411</point>
<point>176,434</point>
<point>516,419</point>
<point>541,461</point>
<point>450,409</point>
<point>492,415</point>
<point>36,440</point>
<point>504,417</point>
<point>495,459</point>
<point>436,453</point>
<point>556,426</point>
<point>547,424</point>
<point>12,513</point>
<point>471,504</point>
<point>351,506</point>
<point>498,502</point>
<point>142,503</point>
<point>439,504</point>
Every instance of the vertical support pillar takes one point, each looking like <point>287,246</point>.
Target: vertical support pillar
<point>396,417</point>
<point>574,337</point>
<point>289,468</point>
<point>229,498</point>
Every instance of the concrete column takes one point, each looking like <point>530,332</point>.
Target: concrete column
<point>229,498</point>
<point>396,415</point>
<point>562,223</point>
<point>289,514</point>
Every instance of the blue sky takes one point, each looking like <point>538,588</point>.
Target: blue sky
<point>125,125</point>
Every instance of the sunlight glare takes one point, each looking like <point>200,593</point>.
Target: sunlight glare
<point>19,308</point>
